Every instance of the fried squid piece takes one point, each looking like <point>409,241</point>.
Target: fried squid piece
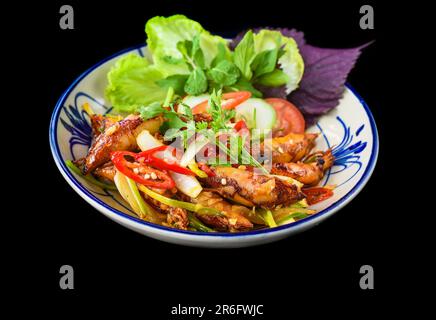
<point>250,189</point>
<point>175,217</point>
<point>100,122</point>
<point>290,148</point>
<point>119,136</point>
<point>202,117</point>
<point>234,218</point>
<point>106,172</point>
<point>309,173</point>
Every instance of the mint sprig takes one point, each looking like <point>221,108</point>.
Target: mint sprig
<point>239,70</point>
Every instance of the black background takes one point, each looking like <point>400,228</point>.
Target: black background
<point>317,270</point>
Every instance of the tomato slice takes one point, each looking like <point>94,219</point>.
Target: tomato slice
<point>317,194</point>
<point>289,118</point>
<point>229,101</point>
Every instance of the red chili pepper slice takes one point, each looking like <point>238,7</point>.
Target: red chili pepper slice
<point>162,164</point>
<point>204,167</point>
<point>317,194</point>
<point>162,181</point>
<point>149,158</point>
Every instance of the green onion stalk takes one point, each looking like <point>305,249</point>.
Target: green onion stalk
<point>89,177</point>
<point>193,207</point>
<point>197,224</point>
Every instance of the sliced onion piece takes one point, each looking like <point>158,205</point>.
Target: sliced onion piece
<point>192,150</point>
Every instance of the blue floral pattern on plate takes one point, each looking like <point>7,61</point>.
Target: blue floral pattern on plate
<point>346,153</point>
<point>81,134</point>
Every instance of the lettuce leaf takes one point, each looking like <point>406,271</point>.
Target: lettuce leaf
<point>163,34</point>
<point>132,83</point>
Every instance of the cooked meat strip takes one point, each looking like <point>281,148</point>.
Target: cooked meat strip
<point>205,117</point>
<point>251,189</point>
<point>100,122</point>
<point>290,148</point>
<point>309,173</point>
<point>234,218</point>
<point>119,136</point>
<point>106,171</point>
<point>177,218</point>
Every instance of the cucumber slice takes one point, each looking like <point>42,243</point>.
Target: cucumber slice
<point>257,114</point>
<point>192,101</point>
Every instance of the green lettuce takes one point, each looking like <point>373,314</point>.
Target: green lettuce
<point>163,35</point>
<point>132,83</point>
<point>290,61</point>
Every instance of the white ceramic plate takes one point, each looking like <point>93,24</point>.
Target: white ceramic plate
<point>349,128</point>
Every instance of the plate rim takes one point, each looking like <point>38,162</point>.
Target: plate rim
<point>96,202</point>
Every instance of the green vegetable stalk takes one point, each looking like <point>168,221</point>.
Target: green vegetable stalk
<point>292,218</point>
<point>89,177</point>
<point>144,209</point>
<point>197,224</point>
<point>269,219</point>
<point>129,191</point>
<point>193,207</point>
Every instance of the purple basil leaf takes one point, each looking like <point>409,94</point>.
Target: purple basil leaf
<point>272,92</point>
<point>325,73</point>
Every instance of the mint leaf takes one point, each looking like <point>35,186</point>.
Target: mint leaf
<point>276,78</point>
<point>176,81</point>
<point>244,85</point>
<point>221,55</point>
<point>264,62</point>
<point>197,54</point>
<point>225,73</point>
<point>244,55</point>
<point>185,48</point>
<point>214,86</point>
<point>196,83</point>
<point>192,53</point>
